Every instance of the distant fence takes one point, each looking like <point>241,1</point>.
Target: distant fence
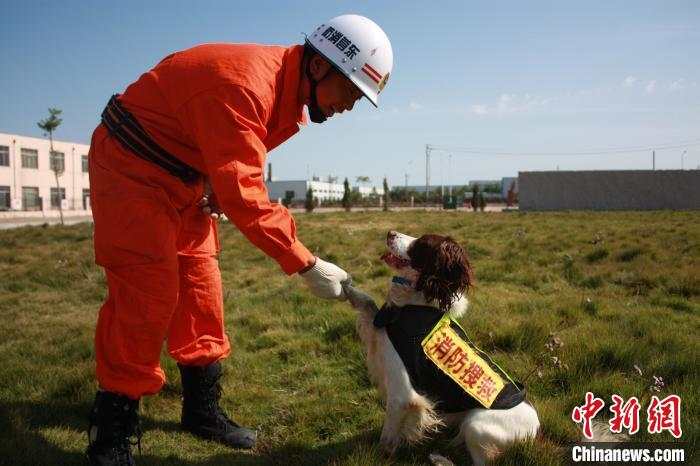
<point>610,190</point>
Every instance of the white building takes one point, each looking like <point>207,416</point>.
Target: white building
<point>366,191</point>
<point>322,190</point>
<point>296,190</point>
<point>27,181</point>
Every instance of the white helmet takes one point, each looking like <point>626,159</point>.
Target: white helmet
<point>359,49</point>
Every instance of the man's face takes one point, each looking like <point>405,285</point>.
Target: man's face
<point>334,93</point>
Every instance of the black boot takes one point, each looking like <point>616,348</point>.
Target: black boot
<point>113,421</point>
<point>201,413</point>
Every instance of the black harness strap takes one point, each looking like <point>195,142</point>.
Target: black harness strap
<point>127,130</point>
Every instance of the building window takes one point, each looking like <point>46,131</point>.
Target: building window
<point>30,158</point>
<point>4,156</point>
<point>85,163</point>
<point>31,199</point>
<point>58,161</point>
<point>86,199</point>
<point>55,200</point>
<point>4,197</point>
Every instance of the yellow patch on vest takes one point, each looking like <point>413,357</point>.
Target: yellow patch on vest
<point>446,349</point>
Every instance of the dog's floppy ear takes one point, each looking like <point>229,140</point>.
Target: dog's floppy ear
<point>446,275</point>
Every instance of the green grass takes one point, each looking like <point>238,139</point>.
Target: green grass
<point>619,289</point>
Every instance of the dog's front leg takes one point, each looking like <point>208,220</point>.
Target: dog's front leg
<point>391,430</point>
<point>398,391</point>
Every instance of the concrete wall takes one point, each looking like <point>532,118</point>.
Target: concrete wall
<point>610,190</point>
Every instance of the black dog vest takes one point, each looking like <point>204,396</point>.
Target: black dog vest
<point>407,327</point>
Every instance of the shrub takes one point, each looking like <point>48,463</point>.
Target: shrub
<point>685,288</point>
<point>592,282</point>
<point>310,202</point>
<point>590,306</point>
<point>288,198</point>
<point>629,254</point>
<point>347,201</point>
<point>571,273</point>
<point>387,195</point>
<point>597,254</point>
<point>475,197</point>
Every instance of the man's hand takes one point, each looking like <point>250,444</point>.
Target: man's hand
<point>324,280</point>
<point>208,202</point>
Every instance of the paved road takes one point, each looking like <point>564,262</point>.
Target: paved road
<point>489,208</point>
<point>7,223</point>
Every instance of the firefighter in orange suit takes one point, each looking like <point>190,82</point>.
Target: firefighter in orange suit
<point>187,140</point>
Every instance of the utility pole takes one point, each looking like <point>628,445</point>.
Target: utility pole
<point>653,160</point>
<point>408,169</point>
<point>682,156</point>
<point>427,173</point>
<point>449,170</point>
<point>442,178</point>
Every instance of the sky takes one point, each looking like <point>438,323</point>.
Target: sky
<point>492,84</point>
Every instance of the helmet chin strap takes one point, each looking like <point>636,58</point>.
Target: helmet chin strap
<point>315,113</point>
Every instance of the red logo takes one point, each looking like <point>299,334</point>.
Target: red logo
<point>587,412</point>
<point>662,415</point>
<point>665,415</point>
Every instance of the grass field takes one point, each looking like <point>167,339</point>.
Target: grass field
<point>618,289</point>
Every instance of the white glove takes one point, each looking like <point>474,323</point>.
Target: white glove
<point>324,280</point>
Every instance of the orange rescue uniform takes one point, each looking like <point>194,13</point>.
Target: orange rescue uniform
<point>219,108</point>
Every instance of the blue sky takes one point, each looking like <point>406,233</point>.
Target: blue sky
<point>502,76</point>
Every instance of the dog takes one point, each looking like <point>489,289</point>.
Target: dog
<point>432,278</point>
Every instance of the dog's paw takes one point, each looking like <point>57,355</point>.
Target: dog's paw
<point>359,299</point>
<point>389,445</point>
<point>436,459</point>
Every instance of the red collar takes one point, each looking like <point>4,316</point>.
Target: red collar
<point>291,110</point>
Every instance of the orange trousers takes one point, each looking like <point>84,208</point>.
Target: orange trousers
<point>159,254</point>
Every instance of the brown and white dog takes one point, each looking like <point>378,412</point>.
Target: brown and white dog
<point>430,271</point>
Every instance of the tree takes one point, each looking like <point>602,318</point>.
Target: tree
<point>310,201</point>
<point>511,195</point>
<point>475,197</point>
<point>482,201</point>
<point>347,202</point>
<point>401,194</point>
<point>288,198</point>
<point>387,194</point>
<point>49,125</point>
<point>492,188</point>
<point>362,180</point>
